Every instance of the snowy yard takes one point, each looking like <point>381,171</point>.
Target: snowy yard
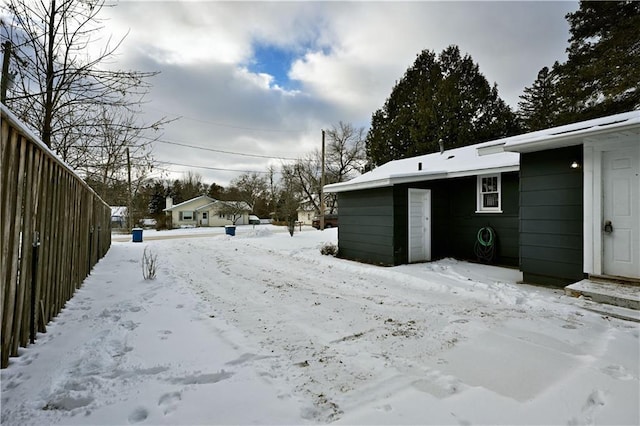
<point>261,328</point>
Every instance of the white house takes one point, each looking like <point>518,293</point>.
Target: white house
<point>206,211</point>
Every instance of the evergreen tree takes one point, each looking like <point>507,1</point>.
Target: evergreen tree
<point>539,106</point>
<point>602,74</point>
<point>157,199</point>
<point>441,97</point>
<point>215,191</point>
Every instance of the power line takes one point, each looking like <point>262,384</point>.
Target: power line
<point>222,151</point>
<point>212,168</point>
<point>231,126</point>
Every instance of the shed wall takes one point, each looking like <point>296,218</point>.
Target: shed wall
<point>365,231</point>
<point>374,222</point>
<point>455,223</point>
<point>551,216</point>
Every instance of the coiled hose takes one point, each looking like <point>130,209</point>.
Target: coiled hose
<point>485,246</point>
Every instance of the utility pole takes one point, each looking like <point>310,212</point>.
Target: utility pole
<point>6,47</point>
<point>322,187</point>
<point>129,209</point>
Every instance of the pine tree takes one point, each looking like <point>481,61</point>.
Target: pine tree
<point>602,74</point>
<point>539,106</point>
<point>441,97</point>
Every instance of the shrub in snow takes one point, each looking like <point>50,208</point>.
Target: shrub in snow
<point>149,264</point>
<point>329,249</point>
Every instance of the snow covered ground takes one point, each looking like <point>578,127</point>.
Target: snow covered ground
<point>261,328</point>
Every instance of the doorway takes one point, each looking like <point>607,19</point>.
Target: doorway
<point>621,212</point>
<point>419,240</point>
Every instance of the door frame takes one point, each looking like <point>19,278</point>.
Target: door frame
<point>425,194</point>
<point>593,245</point>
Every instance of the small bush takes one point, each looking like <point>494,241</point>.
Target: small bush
<point>329,249</point>
<point>149,264</point>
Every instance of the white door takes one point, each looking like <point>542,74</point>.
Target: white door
<point>205,219</point>
<point>621,212</point>
<point>419,225</point>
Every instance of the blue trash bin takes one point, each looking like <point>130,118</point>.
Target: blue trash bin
<point>136,235</point>
<point>230,230</point>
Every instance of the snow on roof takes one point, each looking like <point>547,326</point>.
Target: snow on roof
<point>483,158</point>
<point>182,204</point>
<point>573,134</point>
<point>118,211</point>
<point>209,205</point>
<point>487,157</point>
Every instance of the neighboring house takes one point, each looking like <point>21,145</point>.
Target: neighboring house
<point>118,217</point>
<point>306,213</point>
<point>431,206</point>
<point>580,200</point>
<point>205,211</point>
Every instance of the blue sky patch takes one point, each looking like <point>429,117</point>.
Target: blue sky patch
<point>274,61</point>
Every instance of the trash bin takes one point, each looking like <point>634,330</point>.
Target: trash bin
<point>136,235</point>
<point>230,230</point>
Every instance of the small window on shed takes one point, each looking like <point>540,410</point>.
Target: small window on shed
<point>489,195</point>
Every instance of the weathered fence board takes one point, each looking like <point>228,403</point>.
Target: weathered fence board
<point>53,229</point>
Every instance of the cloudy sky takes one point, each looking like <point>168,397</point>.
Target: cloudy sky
<point>255,82</point>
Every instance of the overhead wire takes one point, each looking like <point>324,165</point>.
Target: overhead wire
<point>231,126</point>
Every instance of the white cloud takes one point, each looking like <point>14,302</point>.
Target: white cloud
<point>350,56</point>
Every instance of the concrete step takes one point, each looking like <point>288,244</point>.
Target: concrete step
<point>610,292</point>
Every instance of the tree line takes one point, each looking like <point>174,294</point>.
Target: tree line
<point>89,113</point>
<point>445,99</point>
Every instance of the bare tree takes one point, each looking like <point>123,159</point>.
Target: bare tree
<point>288,199</point>
<point>249,187</point>
<point>344,159</point>
<point>234,210</point>
<point>345,153</point>
<point>113,152</point>
<point>62,89</point>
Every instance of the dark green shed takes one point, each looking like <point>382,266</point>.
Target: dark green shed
<point>431,206</point>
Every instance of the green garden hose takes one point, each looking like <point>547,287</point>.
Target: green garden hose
<point>485,247</point>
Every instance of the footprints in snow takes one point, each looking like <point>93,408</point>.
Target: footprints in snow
<point>170,401</point>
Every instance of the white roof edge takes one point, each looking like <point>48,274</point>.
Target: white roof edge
<point>188,201</point>
<point>414,177</point>
<point>571,134</point>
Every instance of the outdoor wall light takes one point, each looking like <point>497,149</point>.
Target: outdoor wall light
<point>575,165</point>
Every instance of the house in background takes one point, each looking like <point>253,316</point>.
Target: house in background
<point>580,200</point>
<point>306,213</point>
<point>206,211</point>
<point>118,217</point>
<point>432,206</point>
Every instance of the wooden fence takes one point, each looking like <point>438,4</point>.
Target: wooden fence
<point>53,229</point>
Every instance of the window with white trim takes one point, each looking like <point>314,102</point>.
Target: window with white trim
<point>186,215</point>
<point>489,194</point>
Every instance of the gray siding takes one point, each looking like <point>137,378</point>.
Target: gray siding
<point>551,216</point>
<point>365,226</point>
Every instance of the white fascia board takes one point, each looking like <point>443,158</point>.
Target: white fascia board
<point>346,186</point>
<point>561,140</point>
<point>488,171</point>
<point>397,179</point>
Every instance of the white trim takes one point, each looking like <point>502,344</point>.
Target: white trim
<point>592,205</point>
<point>479,201</point>
<point>425,195</point>
<point>411,178</point>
